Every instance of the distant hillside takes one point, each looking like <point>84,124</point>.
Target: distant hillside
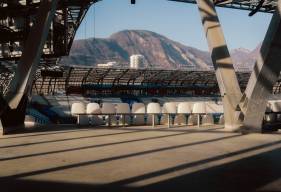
<point>159,52</point>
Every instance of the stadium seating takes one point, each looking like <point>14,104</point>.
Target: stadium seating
<point>29,121</point>
<point>192,120</point>
<point>108,110</point>
<point>199,109</point>
<point>138,111</point>
<point>153,111</point>
<point>123,109</point>
<point>167,109</point>
<point>120,113</point>
<point>183,111</point>
<point>77,109</point>
<point>38,117</point>
<point>208,119</point>
<point>93,111</point>
<point>211,109</point>
<point>93,108</point>
<point>61,107</point>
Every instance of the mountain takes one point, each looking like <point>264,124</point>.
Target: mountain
<point>158,51</point>
<point>244,59</point>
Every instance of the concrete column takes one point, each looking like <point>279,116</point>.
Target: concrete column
<point>263,77</point>
<point>225,73</point>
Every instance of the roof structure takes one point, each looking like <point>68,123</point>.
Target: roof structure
<point>17,17</point>
<point>78,80</point>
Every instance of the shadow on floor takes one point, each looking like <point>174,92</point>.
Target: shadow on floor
<point>45,130</point>
<point>62,129</point>
<point>248,174</point>
<point>125,142</point>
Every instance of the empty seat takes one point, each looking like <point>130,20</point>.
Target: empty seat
<point>123,111</point>
<point>199,109</point>
<point>79,109</point>
<point>168,108</point>
<point>208,119</point>
<point>93,108</point>
<point>153,108</point>
<point>122,108</point>
<point>108,110</point>
<point>184,109</point>
<point>93,111</point>
<point>138,111</point>
<point>192,120</point>
<point>153,111</point>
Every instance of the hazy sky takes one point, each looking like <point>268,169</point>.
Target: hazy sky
<point>177,21</point>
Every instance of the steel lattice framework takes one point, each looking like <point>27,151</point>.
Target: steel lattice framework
<point>17,17</point>
<point>112,81</point>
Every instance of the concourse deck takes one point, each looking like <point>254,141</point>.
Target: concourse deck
<point>139,159</point>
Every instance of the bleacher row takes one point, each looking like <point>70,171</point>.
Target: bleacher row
<point>171,113</point>
<point>59,106</point>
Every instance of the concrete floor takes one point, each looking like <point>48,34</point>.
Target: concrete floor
<point>139,159</point>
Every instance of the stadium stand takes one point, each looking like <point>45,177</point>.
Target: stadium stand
<point>53,94</point>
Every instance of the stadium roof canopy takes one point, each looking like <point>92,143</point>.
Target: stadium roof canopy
<point>64,79</point>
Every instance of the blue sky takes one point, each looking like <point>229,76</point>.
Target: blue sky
<point>177,21</point>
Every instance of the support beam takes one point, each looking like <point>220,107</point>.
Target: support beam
<point>32,53</point>
<point>225,73</point>
<point>21,84</point>
<point>263,77</point>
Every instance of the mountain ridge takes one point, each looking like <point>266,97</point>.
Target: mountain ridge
<point>158,50</point>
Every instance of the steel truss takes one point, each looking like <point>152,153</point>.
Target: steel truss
<point>84,80</point>
<point>17,17</point>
